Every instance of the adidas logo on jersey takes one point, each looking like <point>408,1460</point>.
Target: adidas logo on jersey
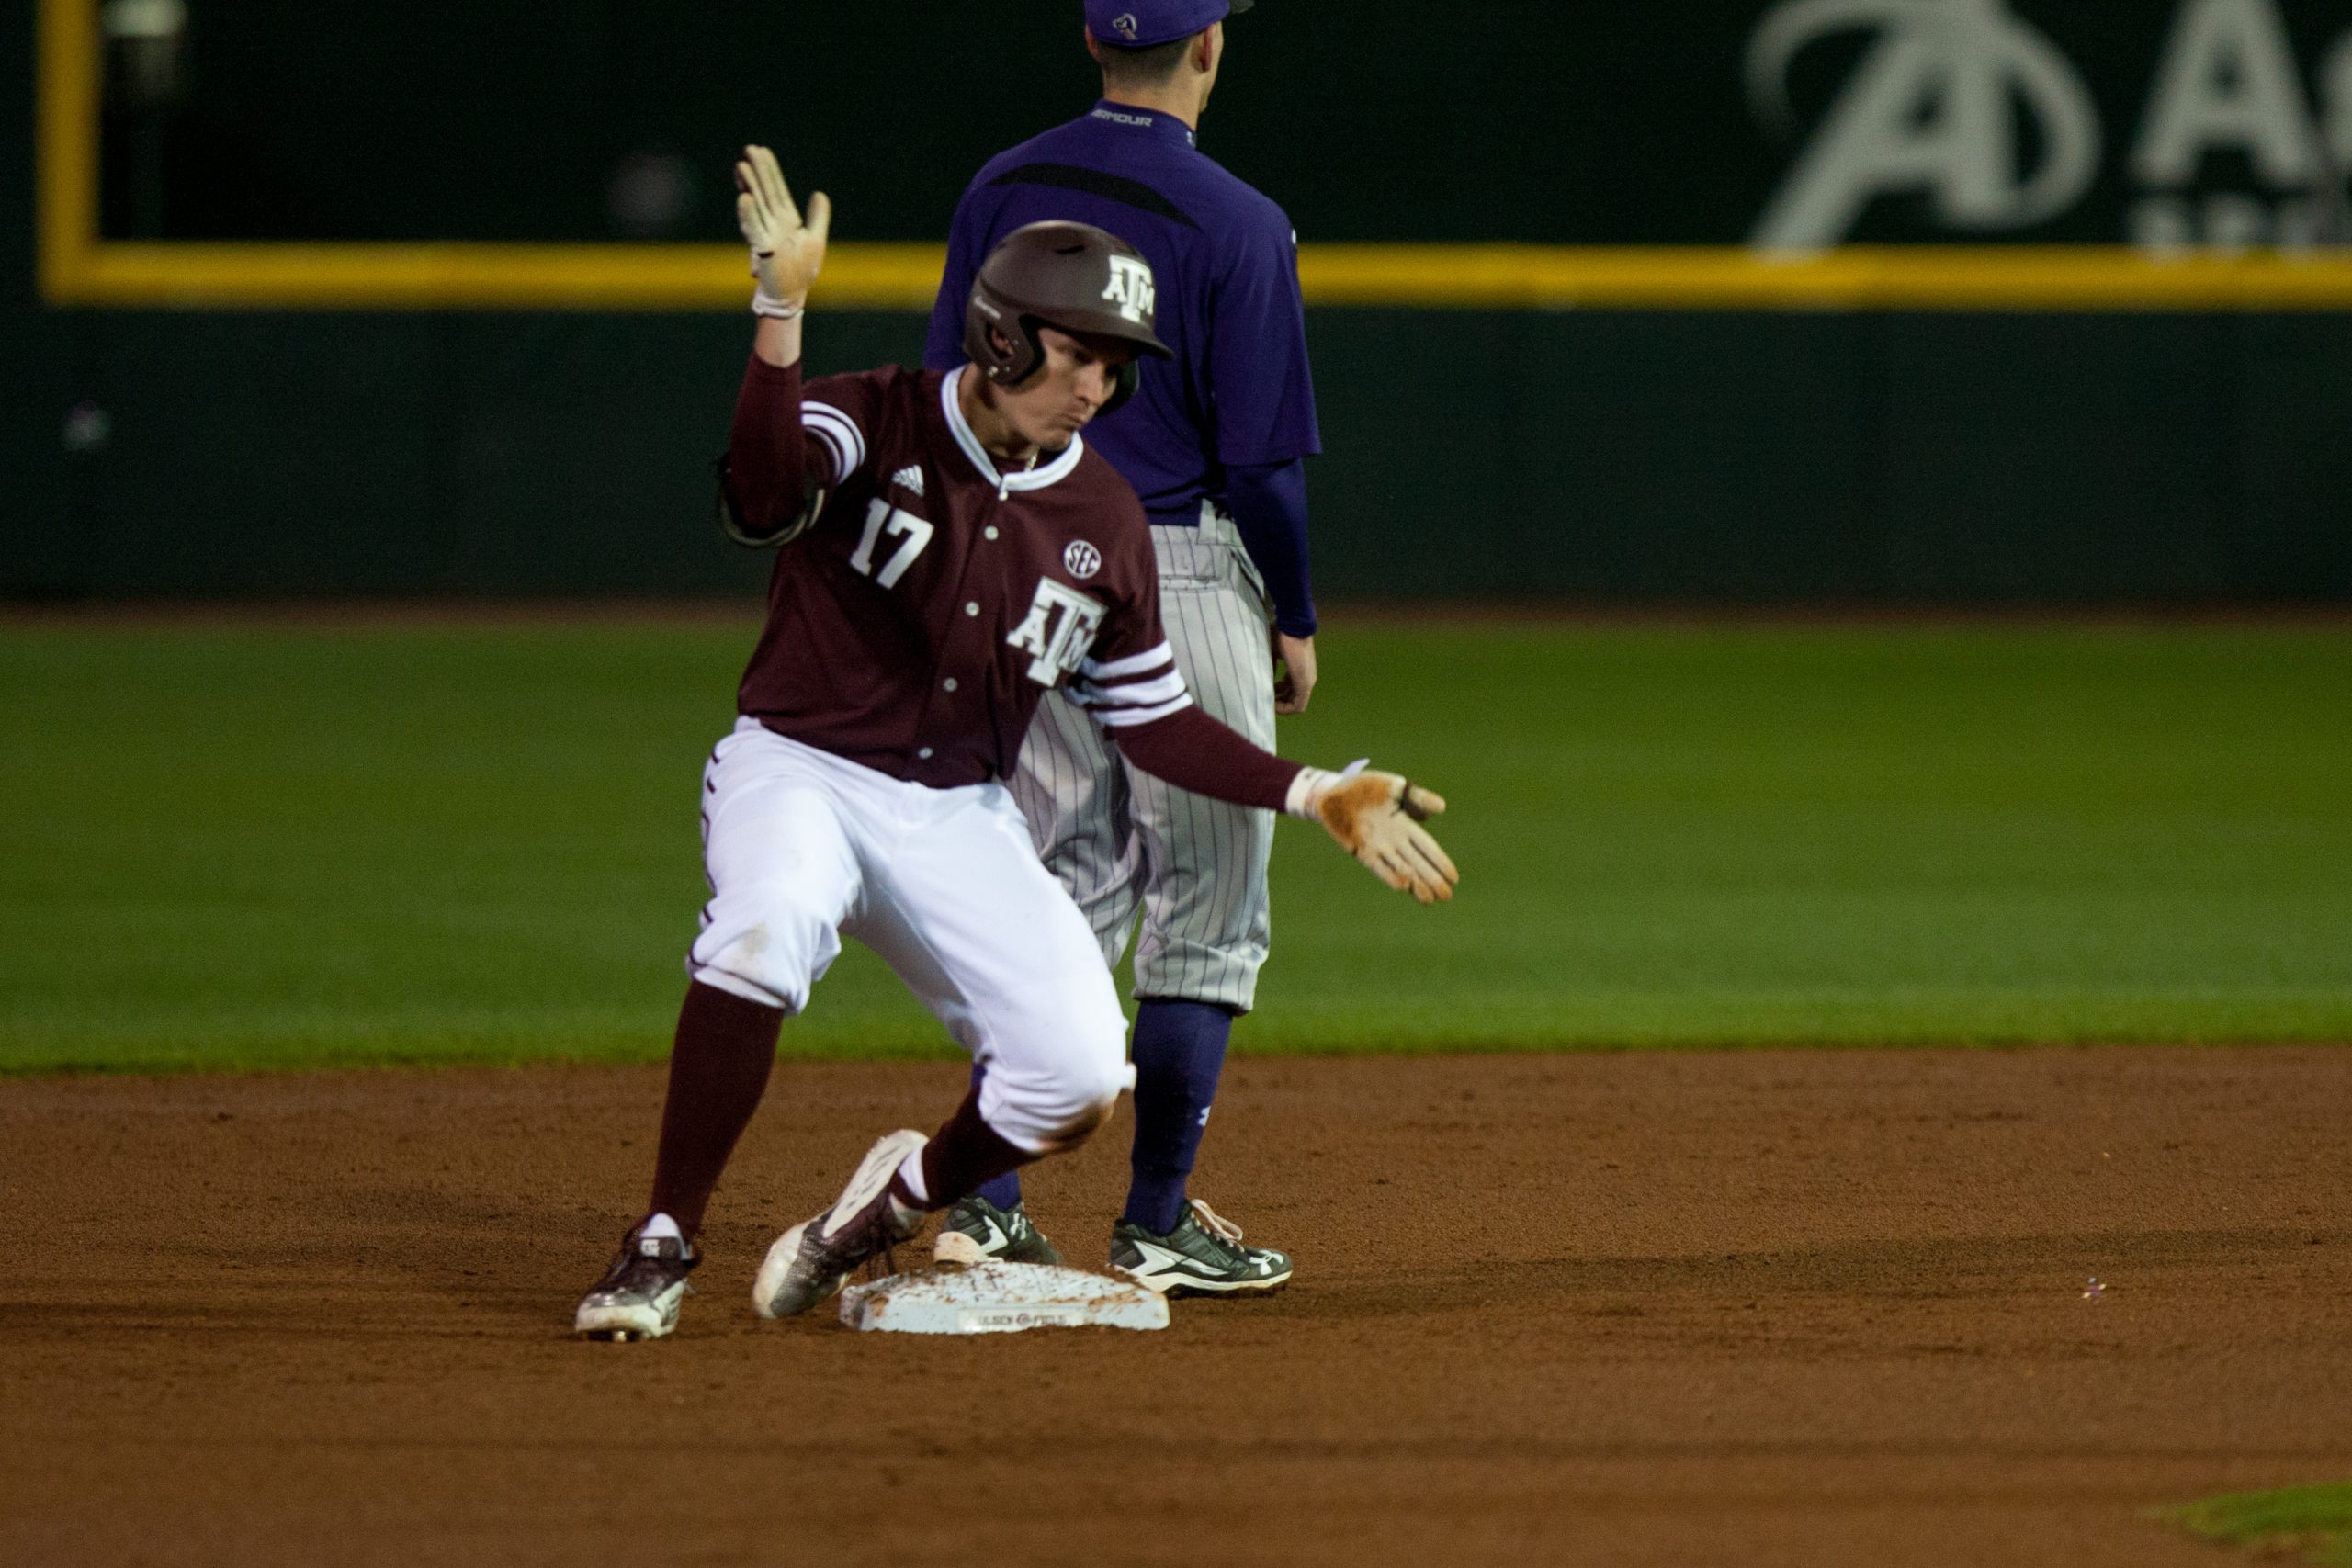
<point>909,478</point>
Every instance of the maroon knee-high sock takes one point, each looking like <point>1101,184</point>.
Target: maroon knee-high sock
<point>965,1152</point>
<point>718,1069</point>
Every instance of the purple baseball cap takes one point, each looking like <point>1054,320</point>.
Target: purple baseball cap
<point>1139,24</point>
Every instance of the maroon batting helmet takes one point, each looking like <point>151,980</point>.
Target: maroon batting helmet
<point>1071,275</point>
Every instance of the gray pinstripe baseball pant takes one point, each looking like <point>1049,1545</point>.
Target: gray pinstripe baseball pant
<point>1119,838</point>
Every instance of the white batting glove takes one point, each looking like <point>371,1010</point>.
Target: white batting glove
<point>1377,819</point>
<point>786,255</point>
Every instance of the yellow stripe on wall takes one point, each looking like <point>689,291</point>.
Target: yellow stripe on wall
<point>459,276</point>
<point>1889,278</point>
<point>905,277</point>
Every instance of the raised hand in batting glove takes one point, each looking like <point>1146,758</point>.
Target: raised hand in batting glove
<point>786,254</point>
<point>1377,819</point>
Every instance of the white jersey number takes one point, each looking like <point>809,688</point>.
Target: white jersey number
<point>917,531</point>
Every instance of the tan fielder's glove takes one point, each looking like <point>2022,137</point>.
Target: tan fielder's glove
<point>1377,819</point>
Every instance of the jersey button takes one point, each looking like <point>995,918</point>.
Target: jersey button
<point>988,532</point>
<point>924,752</point>
<point>971,606</point>
<point>948,684</point>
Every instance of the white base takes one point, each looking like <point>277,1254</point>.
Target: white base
<point>1000,1298</point>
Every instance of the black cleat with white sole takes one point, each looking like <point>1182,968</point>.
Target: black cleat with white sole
<point>1202,1257</point>
<point>639,1295</point>
<point>1000,1235</point>
<point>815,1257</point>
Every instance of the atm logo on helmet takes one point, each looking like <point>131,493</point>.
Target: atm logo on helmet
<point>1131,288</point>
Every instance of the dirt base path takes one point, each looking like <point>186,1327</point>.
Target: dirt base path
<point>1767,1309</point>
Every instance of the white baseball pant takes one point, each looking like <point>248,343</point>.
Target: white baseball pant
<point>801,846</point>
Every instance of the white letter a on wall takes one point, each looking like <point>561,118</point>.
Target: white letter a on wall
<point>1932,108</point>
<point>2228,83</point>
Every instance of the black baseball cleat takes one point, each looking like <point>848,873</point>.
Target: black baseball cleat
<point>814,1258</point>
<point>639,1295</point>
<point>999,1235</point>
<point>1202,1257</point>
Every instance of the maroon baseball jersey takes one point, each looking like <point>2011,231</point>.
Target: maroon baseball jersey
<point>916,624</point>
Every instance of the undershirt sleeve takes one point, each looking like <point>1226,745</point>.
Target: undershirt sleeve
<point>785,448</point>
<point>1269,505</point>
<point>1193,752</point>
<point>767,451</point>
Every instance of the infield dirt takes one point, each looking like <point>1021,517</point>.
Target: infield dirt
<point>1765,1308</point>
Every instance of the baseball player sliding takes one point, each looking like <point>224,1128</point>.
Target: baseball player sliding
<point>1214,443</point>
<point>950,552</point>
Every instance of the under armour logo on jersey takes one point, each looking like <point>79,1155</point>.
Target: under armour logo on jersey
<point>909,478</point>
<point>1082,560</point>
<point>1131,288</point>
<point>1058,631</point>
<point>1124,24</point>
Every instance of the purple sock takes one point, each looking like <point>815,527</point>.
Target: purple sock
<point>1004,1190</point>
<point>1178,1051</point>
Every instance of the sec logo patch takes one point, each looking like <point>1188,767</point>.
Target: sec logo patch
<point>1081,560</point>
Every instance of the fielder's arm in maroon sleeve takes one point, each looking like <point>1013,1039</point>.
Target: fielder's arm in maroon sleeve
<point>764,484</point>
<point>775,468</point>
<point>1193,752</point>
<point>1376,818</point>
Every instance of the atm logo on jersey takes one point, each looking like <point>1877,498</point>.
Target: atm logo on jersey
<point>1058,631</point>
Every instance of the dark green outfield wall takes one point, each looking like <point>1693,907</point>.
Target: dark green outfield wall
<point>1598,122</point>
<point>1610,455</point>
<point>1628,455</point>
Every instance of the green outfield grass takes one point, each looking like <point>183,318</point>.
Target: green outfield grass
<point>2308,1524</point>
<point>262,846</point>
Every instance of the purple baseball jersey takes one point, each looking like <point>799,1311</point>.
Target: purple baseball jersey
<point>1225,263</point>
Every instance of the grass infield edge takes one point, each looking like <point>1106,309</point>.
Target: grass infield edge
<point>639,1051</point>
<point>2314,1522</point>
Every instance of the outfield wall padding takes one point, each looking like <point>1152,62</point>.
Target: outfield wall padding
<point>1614,456</point>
